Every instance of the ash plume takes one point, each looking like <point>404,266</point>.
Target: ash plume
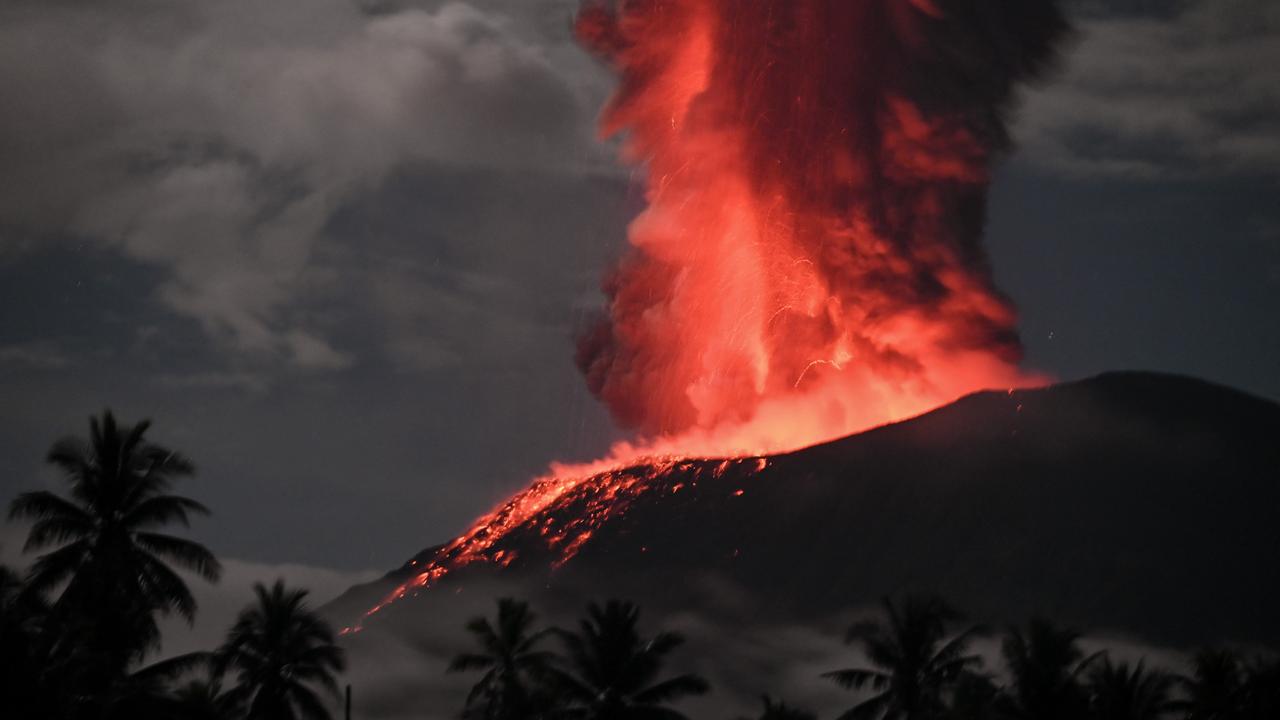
<point>811,254</point>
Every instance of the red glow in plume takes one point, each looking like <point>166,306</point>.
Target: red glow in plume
<point>810,262</point>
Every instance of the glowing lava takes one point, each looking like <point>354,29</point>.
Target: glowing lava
<point>809,264</point>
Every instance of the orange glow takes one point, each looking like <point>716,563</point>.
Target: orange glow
<point>809,262</point>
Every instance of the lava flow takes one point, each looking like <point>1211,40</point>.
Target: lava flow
<point>809,263</point>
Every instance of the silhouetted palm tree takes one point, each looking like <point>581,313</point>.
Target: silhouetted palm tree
<point>146,693</point>
<point>204,699</point>
<point>1046,667</point>
<point>513,664</point>
<point>780,711</point>
<point>915,664</point>
<point>23,667</point>
<point>1214,689</point>
<point>109,553</point>
<point>974,696</point>
<point>612,673</point>
<point>1120,691</point>
<point>1260,696</point>
<point>281,652</point>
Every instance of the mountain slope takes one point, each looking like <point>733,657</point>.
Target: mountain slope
<point>1131,502</point>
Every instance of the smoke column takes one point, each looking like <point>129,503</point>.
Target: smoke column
<point>810,260</point>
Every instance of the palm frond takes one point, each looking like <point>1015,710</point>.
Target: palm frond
<point>184,553</point>
<point>858,678</point>
<point>71,454</point>
<point>170,668</point>
<point>673,689</point>
<point>310,705</point>
<point>41,504</point>
<point>51,569</point>
<point>167,590</point>
<point>160,510</point>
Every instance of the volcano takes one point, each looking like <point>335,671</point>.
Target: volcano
<point>1137,503</point>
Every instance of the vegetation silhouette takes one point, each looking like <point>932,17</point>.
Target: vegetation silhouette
<point>204,699</point>
<point>778,710</point>
<point>607,669</point>
<point>610,671</point>
<point>77,629</point>
<point>1124,691</point>
<point>516,670</point>
<point>281,653</point>
<point>1214,690</point>
<point>104,531</point>
<point>23,666</point>
<point>1046,670</point>
<point>916,661</point>
<point>1262,688</point>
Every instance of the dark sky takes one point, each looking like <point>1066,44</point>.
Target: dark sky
<point>338,251</point>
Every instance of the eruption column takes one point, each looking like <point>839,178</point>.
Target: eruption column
<point>810,260</point>
<point>809,263</point>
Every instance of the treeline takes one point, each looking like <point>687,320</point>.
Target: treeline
<point>76,631</point>
<point>79,631</point>
<point>920,666</point>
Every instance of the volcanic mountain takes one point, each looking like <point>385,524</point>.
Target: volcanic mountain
<point>1139,503</point>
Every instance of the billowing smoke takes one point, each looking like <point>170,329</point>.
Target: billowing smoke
<point>810,260</point>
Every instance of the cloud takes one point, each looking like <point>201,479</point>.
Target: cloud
<point>38,355</point>
<point>214,379</point>
<point>444,321</point>
<point>1193,90</point>
<point>216,141</point>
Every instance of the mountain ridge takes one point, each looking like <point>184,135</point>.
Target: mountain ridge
<point>1136,502</point>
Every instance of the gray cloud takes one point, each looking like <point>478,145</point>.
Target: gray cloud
<point>1183,89</point>
<point>35,355</point>
<point>216,141</point>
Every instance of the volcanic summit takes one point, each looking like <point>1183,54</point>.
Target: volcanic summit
<point>1130,502</point>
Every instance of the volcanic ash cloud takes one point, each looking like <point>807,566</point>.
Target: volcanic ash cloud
<point>810,260</point>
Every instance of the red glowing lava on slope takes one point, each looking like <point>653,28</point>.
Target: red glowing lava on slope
<point>809,264</point>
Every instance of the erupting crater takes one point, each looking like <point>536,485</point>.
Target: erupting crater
<point>809,263</point>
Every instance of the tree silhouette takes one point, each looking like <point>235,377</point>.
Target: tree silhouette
<point>146,693</point>
<point>612,673</point>
<point>1261,691</point>
<point>915,664</point>
<point>280,650</point>
<point>1120,691</point>
<point>108,551</point>
<point>23,667</point>
<point>512,663</point>
<point>1046,666</point>
<point>974,696</point>
<point>780,711</point>
<point>1214,689</point>
<point>203,699</point>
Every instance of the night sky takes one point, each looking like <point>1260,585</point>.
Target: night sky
<point>338,251</point>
